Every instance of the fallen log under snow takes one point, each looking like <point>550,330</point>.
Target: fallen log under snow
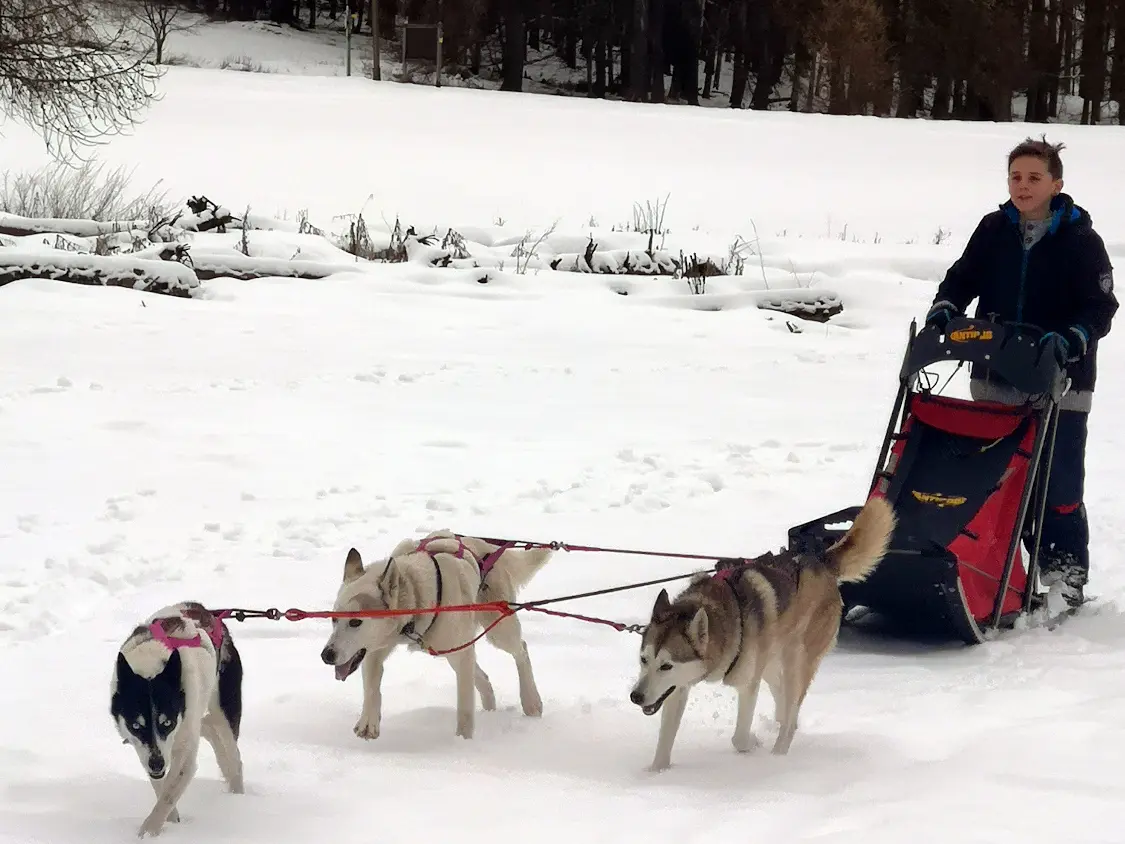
<point>145,274</point>
<point>815,305</point>
<point>616,262</point>
<point>209,264</point>
<point>17,226</point>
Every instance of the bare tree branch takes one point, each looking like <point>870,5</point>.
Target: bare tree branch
<point>154,21</point>
<point>70,75</point>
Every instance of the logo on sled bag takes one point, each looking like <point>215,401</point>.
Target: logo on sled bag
<point>964,335</point>
<point>938,499</point>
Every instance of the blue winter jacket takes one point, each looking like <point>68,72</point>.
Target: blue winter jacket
<point>1065,280</point>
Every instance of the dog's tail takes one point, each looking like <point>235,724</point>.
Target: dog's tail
<point>523,564</point>
<point>861,549</point>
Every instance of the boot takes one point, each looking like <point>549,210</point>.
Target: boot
<point>1066,578</point>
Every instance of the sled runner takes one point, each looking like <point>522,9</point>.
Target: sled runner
<point>967,480</point>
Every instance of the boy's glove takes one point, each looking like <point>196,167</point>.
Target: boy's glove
<point>1069,346</point>
<point>1077,340</point>
<point>1057,345</point>
<point>940,314</point>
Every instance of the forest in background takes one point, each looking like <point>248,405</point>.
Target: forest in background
<point>941,59</point>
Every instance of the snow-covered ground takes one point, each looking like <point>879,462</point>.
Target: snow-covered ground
<point>231,447</point>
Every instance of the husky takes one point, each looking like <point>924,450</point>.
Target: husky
<point>443,569</point>
<point>178,678</point>
<point>771,618</point>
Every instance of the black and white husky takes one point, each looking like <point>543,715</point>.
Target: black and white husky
<point>178,679</point>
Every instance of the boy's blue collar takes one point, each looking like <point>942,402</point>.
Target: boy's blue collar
<point>1061,208</point>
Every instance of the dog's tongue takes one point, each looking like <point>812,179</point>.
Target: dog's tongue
<point>342,671</point>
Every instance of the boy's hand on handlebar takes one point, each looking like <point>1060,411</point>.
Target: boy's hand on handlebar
<point>941,314</point>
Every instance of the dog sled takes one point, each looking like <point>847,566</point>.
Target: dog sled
<point>968,482</point>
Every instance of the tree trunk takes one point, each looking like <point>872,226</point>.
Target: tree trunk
<point>602,69</point>
<point>801,65</point>
<point>687,66</point>
<point>943,96</point>
<point>1092,86</point>
<point>740,70</point>
<point>837,86</point>
<point>709,46</point>
<point>911,81</point>
<point>638,52</point>
<point>1039,55</point>
<point>773,63</point>
<point>656,60</point>
<point>709,54</point>
<point>1117,67</point>
<point>814,84</point>
<point>533,29</point>
<point>515,49</point>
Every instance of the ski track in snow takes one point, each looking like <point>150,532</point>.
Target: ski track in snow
<point>232,449</point>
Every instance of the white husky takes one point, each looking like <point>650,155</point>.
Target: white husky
<point>441,570</point>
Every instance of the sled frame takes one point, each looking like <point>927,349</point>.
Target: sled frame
<point>1011,350</point>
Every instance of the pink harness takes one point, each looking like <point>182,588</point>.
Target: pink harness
<point>172,642</point>
<point>485,563</point>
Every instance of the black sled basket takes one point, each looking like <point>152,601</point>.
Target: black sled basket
<point>967,480</point>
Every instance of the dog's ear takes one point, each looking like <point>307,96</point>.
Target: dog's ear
<point>353,566</point>
<point>662,605</point>
<point>173,668</point>
<point>124,671</point>
<point>697,629</point>
<point>390,583</point>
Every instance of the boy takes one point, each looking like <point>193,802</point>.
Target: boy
<point>1038,259</point>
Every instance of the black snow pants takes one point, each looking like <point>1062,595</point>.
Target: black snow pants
<point>1066,533</point>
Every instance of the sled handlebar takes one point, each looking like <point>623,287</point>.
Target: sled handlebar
<point>1011,350</point>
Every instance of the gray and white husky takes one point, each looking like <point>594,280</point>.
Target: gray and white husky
<point>773,618</point>
<point>441,570</point>
<point>178,678</point>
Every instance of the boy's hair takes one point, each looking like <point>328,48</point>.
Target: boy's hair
<point>1049,153</point>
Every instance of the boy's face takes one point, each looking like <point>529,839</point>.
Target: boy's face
<point>1031,187</point>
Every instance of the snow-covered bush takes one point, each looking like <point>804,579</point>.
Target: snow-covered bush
<point>86,191</point>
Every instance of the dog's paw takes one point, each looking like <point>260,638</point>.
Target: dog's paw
<point>488,700</point>
<point>236,785</point>
<point>152,827</point>
<point>465,726</point>
<point>746,743</point>
<point>367,727</point>
<point>532,705</point>
<point>780,748</point>
<point>659,765</point>
<point>174,816</point>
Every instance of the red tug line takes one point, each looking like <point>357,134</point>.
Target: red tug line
<point>503,609</point>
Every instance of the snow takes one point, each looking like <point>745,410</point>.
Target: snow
<point>230,447</point>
